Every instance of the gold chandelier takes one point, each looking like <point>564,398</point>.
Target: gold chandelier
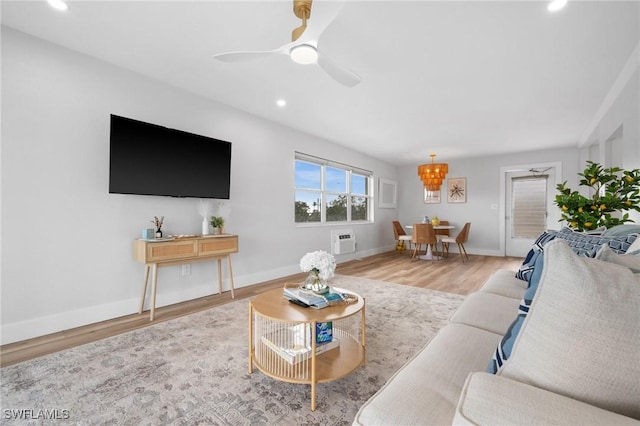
<point>432,175</point>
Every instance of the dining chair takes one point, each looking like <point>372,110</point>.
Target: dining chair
<point>401,236</point>
<point>459,239</point>
<point>442,232</point>
<point>423,233</point>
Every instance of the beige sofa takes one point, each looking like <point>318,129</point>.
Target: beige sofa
<point>446,382</point>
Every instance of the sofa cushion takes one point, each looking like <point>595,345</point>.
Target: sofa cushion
<point>487,311</point>
<point>580,338</point>
<point>587,245</point>
<point>631,261</point>
<point>537,248</point>
<point>426,390</point>
<point>483,397</point>
<point>503,283</point>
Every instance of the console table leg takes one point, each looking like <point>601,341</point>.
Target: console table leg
<point>219,276</point>
<point>154,286</point>
<point>230,275</point>
<point>144,288</point>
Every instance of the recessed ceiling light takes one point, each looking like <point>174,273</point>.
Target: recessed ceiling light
<point>281,102</point>
<point>556,5</point>
<point>58,4</point>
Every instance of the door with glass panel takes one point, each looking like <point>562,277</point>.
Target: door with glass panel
<point>529,195</point>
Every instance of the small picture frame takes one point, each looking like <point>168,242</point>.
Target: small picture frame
<point>457,190</point>
<point>388,193</point>
<point>431,197</point>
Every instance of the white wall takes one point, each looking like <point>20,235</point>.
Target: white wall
<point>483,192</point>
<point>67,243</point>
<point>613,138</point>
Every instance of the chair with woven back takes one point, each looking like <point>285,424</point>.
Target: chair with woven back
<point>423,233</point>
<point>442,233</point>
<point>401,236</point>
<point>459,239</point>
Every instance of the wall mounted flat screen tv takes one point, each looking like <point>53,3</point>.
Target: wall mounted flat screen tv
<point>148,159</point>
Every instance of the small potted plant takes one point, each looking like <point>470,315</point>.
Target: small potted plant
<point>158,224</point>
<point>217,222</point>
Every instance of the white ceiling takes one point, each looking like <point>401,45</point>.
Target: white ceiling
<point>456,78</point>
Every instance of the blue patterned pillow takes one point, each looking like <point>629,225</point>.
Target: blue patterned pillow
<point>588,245</point>
<point>503,351</point>
<point>525,270</point>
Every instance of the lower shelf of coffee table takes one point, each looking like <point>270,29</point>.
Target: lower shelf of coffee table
<point>330,365</point>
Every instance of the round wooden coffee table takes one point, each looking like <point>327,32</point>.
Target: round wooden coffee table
<point>283,340</point>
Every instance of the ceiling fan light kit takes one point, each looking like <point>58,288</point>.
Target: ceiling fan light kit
<point>303,54</point>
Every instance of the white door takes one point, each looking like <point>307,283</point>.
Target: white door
<point>529,196</point>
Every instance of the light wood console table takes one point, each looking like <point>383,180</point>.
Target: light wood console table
<point>182,250</point>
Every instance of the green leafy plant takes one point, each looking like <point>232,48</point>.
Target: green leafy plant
<point>614,191</point>
<point>217,221</point>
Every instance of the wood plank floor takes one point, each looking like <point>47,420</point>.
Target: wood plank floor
<point>450,275</point>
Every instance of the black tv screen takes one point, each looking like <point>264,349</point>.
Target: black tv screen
<point>148,159</point>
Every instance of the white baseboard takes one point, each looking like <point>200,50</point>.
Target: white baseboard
<point>41,326</point>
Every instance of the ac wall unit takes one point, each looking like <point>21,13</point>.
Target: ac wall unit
<point>343,241</point>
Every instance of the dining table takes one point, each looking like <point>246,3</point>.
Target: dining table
<point>429,254</point>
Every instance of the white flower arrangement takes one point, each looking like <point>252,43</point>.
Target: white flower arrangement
<point>320,262</point>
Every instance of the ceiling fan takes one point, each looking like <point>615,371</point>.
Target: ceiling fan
<point>303,48</point>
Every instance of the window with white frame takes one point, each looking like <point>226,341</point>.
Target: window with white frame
<point>328,192</point>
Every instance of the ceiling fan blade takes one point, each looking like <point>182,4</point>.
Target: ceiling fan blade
<point>323,12</point>
<point>339,73</point>
<point>245,56</point>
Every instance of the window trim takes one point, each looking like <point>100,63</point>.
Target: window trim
<point>323,192</point>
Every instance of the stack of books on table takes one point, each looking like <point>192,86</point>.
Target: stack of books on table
<point>293,343</point>
<point>310,299</point>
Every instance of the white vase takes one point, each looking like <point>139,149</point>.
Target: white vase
<point>205,227</point>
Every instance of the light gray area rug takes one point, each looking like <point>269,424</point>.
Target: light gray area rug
<point>194,370</point>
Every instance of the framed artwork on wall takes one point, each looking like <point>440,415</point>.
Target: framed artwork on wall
<point>388,193</point>
<point>431,197</point>
<point>457,190</point>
